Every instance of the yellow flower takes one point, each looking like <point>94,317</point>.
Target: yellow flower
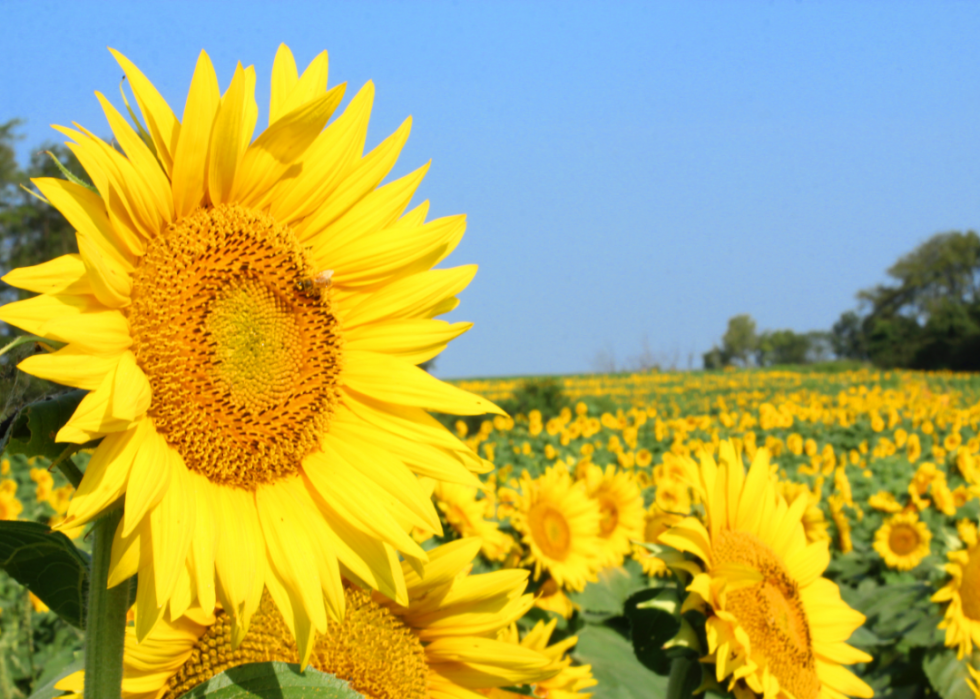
<point>903,541</point>
<point>4,467</point>
<point>570,680</point>
<point>560,524</point>
<point>795,444</point>
<point>644,458</point>
<point>553,599</point>
<point>247,316</point>
<point>621,512</point>
<point>962,616</point>
<point>774,624</point>
<point>468,516</point>
<point>443,643</point>
<point>10,506</point>
<point>913,448</point>
<point>45,482</point>
<point>885,501</point>
<point>656,523</point>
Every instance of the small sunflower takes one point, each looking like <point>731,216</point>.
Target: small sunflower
<point>962,618</point>
<point>570,680</point>
<point>620,509</point>
<point>903,540</point>
<point>774,624</point>
<point>443,644</point>
<point>248,316</point>
<point>657,521</point>
<point>471,517</point>
<point>560,526</point>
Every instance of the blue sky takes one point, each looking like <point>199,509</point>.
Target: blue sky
<point>632,173</point>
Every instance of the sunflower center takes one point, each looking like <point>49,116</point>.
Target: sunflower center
<point>241,349</point>
<point>903,539</point>
<point>970,585</point>
<point>550,531</point>
<point>772,613</point>
<point>608,516</point>
<point>372,650</point>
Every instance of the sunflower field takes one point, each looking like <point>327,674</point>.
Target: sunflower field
<point>882,466</point>
<point>242,482</point>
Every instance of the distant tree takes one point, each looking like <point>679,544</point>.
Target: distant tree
<point>781,347</point>
<point>715,358</point>
<point>847,339</point>
<point>739,341</point>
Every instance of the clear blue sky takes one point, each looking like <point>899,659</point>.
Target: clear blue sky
<point>629,171</point>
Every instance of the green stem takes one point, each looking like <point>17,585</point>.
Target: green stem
<point>105,627</point>
<point>24,339</point>
<point>682,680</point>
<point>67,467</point>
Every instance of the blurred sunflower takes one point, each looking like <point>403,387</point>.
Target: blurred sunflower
<point>962,618</point>
<point>10,506</point>
<point>774,624</point>
<point>247,316</point>
<point>444,644</point>
<point>469,517</point>
<point>903,540</point>
<point>621,514</point>
<point>560,526</point>
<point>656,522</point>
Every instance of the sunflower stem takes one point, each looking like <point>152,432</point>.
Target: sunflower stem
<point>105,628</point>
<point>682,680</point>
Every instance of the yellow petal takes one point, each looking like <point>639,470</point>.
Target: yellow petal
<point>147,168</point>
<point>280,146</point>
<point>65,274</point>
<point>191,155</point>
<point>203,543</point>
<point>416,296</point>
<point>106,474</point>
<point>368,216</point>
<point>239,553</point>
<point>309,86</point>
<point>149,479</point>
<point>333,155</point>
<point>160,120</point>
<point>354,188</point>
<point>284,79</point>
<point>112,407</point>
<point>172,528</point>
<point>395,381</point>
<point>70,366</point>
<point>230,136</point>
<point>843,680</point>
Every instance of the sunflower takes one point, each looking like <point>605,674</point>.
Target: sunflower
<point>247,316</point>
<point>442,645</point>
<point>560,526</point>
<point>469,517</point>
<point>962,619</point>
<point>570,680</point>
<point>657,521</point>
<point>774,624</point>
<point>620,509</point>
<point>10,506</point>
<point>903,540</point>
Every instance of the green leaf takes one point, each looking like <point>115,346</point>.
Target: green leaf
<point>49,565</point>
<point>69,175</point>
<point>33,430</point>
<point>47,690</point>
<point>653,622</point>
<point>268,680</point>
<point>948,675</point>
<point>606,597</point>
<point>620,674</point>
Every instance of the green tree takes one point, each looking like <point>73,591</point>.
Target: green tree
<point>782,347</point>
<point>739,341</point>
<point>847,338</point>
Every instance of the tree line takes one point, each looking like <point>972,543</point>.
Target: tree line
<point>926,317</point>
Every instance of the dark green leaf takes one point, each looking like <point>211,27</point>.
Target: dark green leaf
<point>606,597</point>
<point>273,681</point>
<point>49,565</point>
<point>33,430</point>
<point>619,673</point>
<point>651,627</point>
<point>948,675</point>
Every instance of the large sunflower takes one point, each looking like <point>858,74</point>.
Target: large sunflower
<point>247,316</point>
<point>560,526</point>
<point>773,623</point>
<point>442,645</point>
<point>962,619</point>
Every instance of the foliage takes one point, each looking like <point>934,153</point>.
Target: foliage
<point>543,394</point>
